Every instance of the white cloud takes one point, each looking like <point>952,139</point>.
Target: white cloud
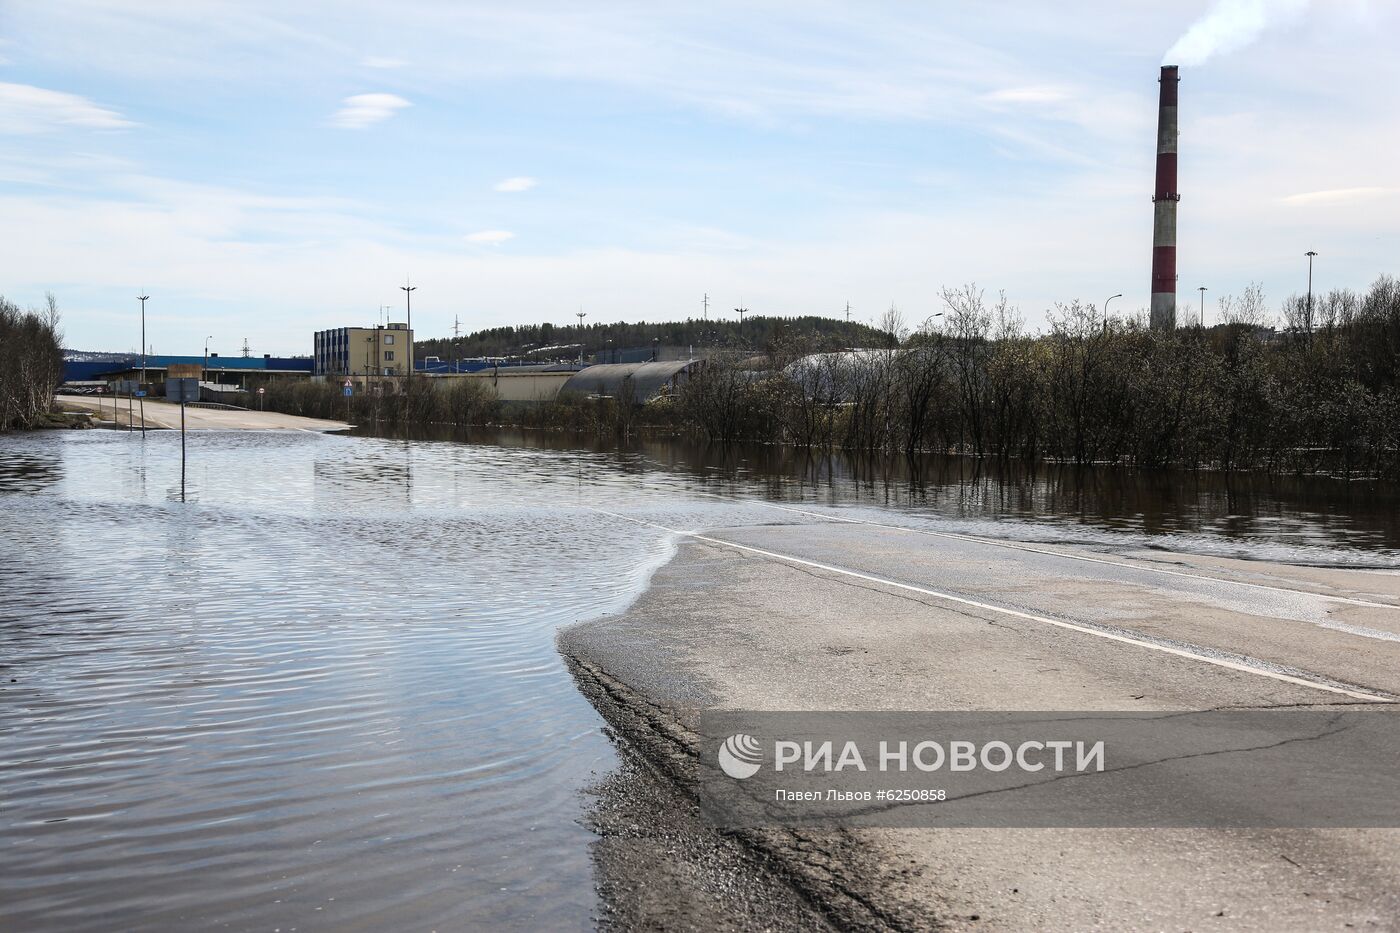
<point>518,183</point>
<point>28,109</point>
<point>379,61</point>
<point>362,110</point>
<point>490,236</point>
<point>1340,195</point>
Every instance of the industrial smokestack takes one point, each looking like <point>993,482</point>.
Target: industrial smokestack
<point>1164,207</point>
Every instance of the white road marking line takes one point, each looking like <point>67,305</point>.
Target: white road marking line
<point>1015,546</point>
<point>1032,617</point>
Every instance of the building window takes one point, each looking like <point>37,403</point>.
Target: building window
<point>388,356</point>
<point>389,339</point>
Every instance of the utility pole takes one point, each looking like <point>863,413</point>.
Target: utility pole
<point>705,306</point>
<point>580,314</point>
<point>741,312</point>
<point>848,312</point>
<point>1202,290</point>
<point>456,336</point>
<point>143,298</point>
<point>408,289</point>
<point>247,350</point>
<point>1310,254</point>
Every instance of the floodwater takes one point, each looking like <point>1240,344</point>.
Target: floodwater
<point>322,692</point>
<point>1314,520</point>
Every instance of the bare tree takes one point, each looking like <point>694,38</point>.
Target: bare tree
<point>1249,309</point>
<point>968,323</point>
<point>31,362</point>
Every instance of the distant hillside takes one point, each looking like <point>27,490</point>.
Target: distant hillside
<point>96,356</point>
<point>758,333</point>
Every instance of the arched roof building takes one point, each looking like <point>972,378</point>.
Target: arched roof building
<point>647,380</point>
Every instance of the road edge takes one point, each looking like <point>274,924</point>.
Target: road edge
<point>833,870</point>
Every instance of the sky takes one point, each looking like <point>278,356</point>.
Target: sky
<point>264,170</point>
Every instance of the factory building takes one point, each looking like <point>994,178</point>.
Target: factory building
<point>230,373</point>
<point>363,351</point>
<point>641,382</point>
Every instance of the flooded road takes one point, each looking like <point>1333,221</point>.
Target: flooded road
<point>324,692</point>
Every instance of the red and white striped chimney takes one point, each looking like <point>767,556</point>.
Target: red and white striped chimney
<point>1164,210</point>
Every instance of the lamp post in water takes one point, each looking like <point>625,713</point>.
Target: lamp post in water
<point>142,396</point>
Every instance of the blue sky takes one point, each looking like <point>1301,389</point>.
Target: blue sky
<point>264,170</point>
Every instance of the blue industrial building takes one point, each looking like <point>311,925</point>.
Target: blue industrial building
<point>235,371</point>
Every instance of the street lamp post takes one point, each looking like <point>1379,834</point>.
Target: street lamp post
<point>408,291</point>
<point>1105,309</point>
<point>143,299</point>
<point>1202,290</point>
<point>206,356</point>
<point>1310,254</point>
<point>580,314</point>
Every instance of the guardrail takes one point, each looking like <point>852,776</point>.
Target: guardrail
<point>219,406</point>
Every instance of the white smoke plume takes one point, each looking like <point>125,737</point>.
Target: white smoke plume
<point>1229,25</point>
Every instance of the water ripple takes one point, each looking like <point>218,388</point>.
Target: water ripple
<point>324,689</point>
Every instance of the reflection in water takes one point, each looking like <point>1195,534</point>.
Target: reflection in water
<point>1308,519</point>
<point>29,470</point>
<point>326,688</point>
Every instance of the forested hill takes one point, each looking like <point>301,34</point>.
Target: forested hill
<point>758,333</point>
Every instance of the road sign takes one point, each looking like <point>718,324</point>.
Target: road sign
<point>182,390</point>
<point>261,390</point>
<point>140,393</point>
<point>348,390</point>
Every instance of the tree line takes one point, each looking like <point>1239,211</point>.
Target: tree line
<point>756,332</point>
<point>31,362</point>
<point>1321,395</point>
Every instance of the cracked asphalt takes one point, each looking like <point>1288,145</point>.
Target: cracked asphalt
<point>828,615</point>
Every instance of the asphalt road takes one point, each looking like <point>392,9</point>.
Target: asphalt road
<point>161,414</point>
<point>821,614</point>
